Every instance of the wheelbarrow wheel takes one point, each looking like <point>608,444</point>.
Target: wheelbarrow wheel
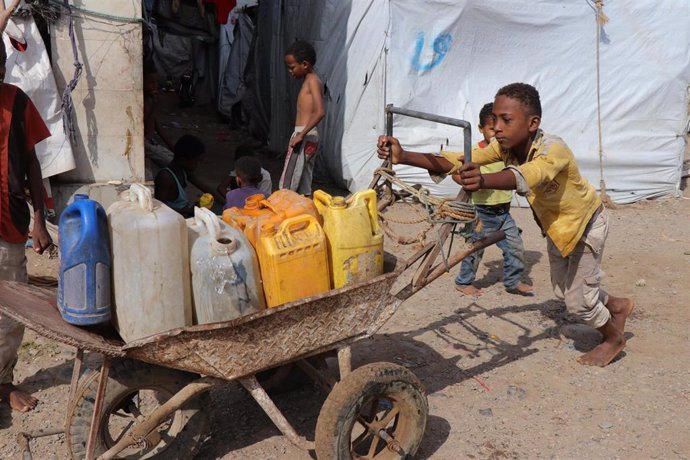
<point>378,411</point>
<point>134,389</point>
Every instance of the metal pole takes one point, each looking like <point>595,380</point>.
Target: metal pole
<point>465,125</point>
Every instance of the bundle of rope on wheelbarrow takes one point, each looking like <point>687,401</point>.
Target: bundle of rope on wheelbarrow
<point>438,210</point>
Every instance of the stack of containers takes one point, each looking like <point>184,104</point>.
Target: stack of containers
<point>257,211</point>
<point>286,231</point>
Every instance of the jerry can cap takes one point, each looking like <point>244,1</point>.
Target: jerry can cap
<point>252,202</point>
<point>338,202</point>
<point>268,229</point>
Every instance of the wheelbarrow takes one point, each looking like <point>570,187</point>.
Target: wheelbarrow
<point>147,399</point>
<point>376,411</point>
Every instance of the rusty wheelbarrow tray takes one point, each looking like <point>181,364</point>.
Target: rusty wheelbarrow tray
<point>233,350</point>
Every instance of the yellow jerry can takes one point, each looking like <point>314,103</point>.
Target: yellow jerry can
<point>293,260</point>
<point>353,234</point>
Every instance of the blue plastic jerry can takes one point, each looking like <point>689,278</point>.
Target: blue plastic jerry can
<point>84,296</point>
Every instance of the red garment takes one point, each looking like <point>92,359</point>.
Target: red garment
<point>21,128</point>
<point>223,8</point>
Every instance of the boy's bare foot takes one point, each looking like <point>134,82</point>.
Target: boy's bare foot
<point>620,308</point>
<point>521,289</point>
<point>605,352</point>
<point>16,398</point>
<point>468,290</point>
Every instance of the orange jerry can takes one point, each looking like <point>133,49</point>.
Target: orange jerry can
<point>257,211</point>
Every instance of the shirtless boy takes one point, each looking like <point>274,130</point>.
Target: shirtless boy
<point>300,58</point>
<point>542,168</point>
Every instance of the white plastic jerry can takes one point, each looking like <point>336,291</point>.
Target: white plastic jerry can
<point>226,281</point>
<point>151,277</point>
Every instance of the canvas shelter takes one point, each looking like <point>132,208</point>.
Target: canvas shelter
<point>613,78</point>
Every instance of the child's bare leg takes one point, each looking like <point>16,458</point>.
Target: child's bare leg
<point>469,290</point>
<point>603,354</point>
<point>620,308</point>
<point>17,399</point>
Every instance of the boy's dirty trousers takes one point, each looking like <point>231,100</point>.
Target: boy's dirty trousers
<point>494,218</point>
<point>576,278</point>
<point>299,163</point>
<point>12,268</point>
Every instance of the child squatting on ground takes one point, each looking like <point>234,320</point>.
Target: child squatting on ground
<point>300,58</point>
<point>248,176</point>
<point>230,181</point>
<point>23,128</point>
<point>493,209</point>
<point>566,207</point>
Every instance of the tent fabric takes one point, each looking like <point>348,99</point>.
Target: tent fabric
<point>30,70</point>
<point>449,58</point>
<point>233,54</point>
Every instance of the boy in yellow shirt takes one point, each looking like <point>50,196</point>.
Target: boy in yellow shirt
<point>493,209</point>
<point>566,207</point>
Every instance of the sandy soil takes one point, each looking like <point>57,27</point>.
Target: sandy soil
<point>499,371</point>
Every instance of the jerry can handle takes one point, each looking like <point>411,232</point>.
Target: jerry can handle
<point>209,220</point>
<point>369,197</point>
<point>142,195</point>
<point>321,200</point>
<point>89,219</point>
<point>296,223</point>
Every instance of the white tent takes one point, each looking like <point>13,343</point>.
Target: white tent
<point>450,57</point>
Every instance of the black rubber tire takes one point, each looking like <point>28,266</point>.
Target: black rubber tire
<point>188,427</point>
<point>371,384</point>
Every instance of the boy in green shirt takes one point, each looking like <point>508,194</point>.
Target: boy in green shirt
<point>493,209</point>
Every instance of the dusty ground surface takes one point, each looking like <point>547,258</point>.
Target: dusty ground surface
<point>499,371</point>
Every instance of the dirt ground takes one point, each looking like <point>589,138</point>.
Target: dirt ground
<point>499,371</point>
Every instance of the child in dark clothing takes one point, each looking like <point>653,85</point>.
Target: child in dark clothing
<point>171,181</point>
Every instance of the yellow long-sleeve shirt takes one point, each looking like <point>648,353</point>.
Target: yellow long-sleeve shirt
<point>562,200</point>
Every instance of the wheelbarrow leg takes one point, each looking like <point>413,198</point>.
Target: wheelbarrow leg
<point>97,407</point>
<point>344,361</point>
<point>76,371</point>
<point>261,397</point>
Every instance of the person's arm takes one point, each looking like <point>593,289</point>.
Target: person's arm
<point>315,90</point>
<point>472,179</point>
<point>41,237</point>
<point>389,147</point>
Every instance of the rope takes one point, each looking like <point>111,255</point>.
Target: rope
<point>418,238</point>
<point>67,102</point>
<point>439,210</point>
<point>600,21</point>
<point>97,14</point>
